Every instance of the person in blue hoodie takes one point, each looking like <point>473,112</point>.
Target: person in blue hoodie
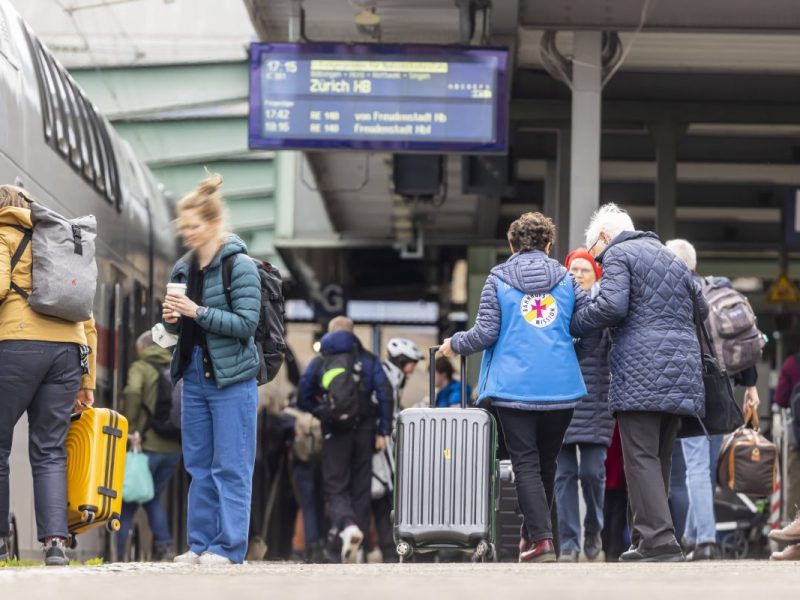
<point>530,372</point>
<point>347,451</point>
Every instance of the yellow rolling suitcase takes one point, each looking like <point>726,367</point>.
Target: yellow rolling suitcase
<point>95,469</point>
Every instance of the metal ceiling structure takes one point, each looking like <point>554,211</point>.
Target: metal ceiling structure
<point>721,74</point>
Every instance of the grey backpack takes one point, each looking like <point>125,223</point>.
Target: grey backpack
<point>64,271</point>
<point>732,324</point>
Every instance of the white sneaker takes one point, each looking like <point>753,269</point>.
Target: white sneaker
<point>210,559</point>
<point>187,558</point>
<point>351,543</point>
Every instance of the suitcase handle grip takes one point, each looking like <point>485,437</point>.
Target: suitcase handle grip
<point>432,395</point>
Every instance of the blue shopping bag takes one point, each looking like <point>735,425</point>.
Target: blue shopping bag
<point>138,483</point>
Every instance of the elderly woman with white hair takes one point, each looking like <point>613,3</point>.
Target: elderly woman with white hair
<point>647,301</point>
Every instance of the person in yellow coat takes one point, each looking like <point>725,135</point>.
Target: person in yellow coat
<point>48,367</point>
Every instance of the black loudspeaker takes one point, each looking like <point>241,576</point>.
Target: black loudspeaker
<point>488,175</point>
<point>418,174</point>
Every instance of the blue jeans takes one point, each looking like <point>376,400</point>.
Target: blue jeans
<point>592,475</point>
<point>305,479</point>
<point>219,451</point>
<point>701,459</point>
<point>163,466</point>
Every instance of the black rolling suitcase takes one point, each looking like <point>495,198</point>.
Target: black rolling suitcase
<point>446,478</point>
<point>509,517</point>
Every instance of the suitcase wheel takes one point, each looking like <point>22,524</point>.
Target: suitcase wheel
<point>87,516</point>
<point>113,525</point>
<point>405,551</point>
<point>485,552</point>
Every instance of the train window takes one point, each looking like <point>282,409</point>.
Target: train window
<point>87,148</point>
<point>74,121</point>
<point>47,104</point>
<point>61,142</point>
<point>69,118</point>
<point>97,156</point>
<point>72,124</point>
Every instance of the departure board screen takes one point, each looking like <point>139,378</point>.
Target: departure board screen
<point>378,97</point>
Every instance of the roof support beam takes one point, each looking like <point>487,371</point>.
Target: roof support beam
<point>651,15</point>
<point>540,113</point>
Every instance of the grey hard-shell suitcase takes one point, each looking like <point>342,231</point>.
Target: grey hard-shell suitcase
<point>446,478</point>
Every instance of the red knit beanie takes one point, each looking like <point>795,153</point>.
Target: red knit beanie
<point>584,253</point>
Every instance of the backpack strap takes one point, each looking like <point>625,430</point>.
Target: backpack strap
<point>227,276</point>
<point>27,234</point>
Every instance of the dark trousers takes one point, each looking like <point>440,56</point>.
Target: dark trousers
<point>42,379</point>
<point>678,492</point>
<point>647,442</point>
<point>347,476</point>
<point>382,513</point>
<point>534,440</point>
<point>615,517</point>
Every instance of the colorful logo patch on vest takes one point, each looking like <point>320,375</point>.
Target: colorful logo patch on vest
<point>540,310</point>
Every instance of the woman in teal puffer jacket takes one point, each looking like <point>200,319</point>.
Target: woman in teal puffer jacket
<point>217,359</point>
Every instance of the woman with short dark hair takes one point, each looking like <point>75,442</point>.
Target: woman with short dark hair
<point>530,372</point>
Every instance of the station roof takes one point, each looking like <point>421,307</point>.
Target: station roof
<point>724,71</point>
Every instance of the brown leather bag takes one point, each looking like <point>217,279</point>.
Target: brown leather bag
<point>748,462</point>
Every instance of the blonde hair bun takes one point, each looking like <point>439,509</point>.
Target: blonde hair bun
<point>211,184</point>
<point>205,199</point>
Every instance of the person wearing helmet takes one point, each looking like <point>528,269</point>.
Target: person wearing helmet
<point>402,356</point>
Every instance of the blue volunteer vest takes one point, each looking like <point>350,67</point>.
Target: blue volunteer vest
<point>533,360</point>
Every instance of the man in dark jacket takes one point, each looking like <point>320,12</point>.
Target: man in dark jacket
<point>590,434</point>
<point>647,300</point>
<point>347,452</point>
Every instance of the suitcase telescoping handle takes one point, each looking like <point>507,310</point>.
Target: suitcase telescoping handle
<point>433,350</point>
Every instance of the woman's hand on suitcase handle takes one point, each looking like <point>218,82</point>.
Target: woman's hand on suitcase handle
<point>446,349</point>
<point>84,399</point>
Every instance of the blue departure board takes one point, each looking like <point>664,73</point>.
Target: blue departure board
<point>378,97</point>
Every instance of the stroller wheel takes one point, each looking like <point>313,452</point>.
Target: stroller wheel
<point>735,546</point>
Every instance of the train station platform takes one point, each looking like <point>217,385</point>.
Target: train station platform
<point>278,581</point>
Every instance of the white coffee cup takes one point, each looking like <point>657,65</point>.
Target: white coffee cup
<point>176,289</point>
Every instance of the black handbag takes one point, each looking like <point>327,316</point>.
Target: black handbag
<point>722,414</point>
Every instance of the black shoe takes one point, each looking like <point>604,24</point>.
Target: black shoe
<point>593,548</point>
<point>55,553</point>
<point>163,553</point>
<point>5,550</point>
<point>709,551</point>
<point>665,553</point>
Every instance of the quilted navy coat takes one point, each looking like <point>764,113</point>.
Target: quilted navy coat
<point>592,423</point>
<point>229,333</point>
<point>646,301</point>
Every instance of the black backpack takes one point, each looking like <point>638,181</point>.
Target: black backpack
<point>341,404</point>
<point>269,333</point>
<point>165,418</point>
